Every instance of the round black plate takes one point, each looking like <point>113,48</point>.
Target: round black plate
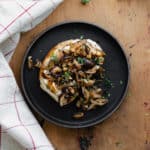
<point>116,70</point>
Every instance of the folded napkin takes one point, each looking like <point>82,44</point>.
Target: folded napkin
<point>19,128</point>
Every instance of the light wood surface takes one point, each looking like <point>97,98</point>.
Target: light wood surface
<point>129,21</point>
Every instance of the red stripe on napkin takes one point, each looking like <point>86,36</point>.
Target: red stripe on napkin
<point>19,118</point>
<point>27,12</point>
<point>6,76</point>
<point>6,54</point>
<point>21,14</point>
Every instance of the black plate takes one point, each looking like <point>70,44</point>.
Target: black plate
<point>116,70</point>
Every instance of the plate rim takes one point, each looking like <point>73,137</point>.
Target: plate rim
<point>30,104</point>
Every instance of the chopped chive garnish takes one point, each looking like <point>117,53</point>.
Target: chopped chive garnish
<point>66,75</point>
<point>103,97</point>
<point>80,60</point>
<point>99,60</point>
<point>121,82</point>
<point>81,37</point>
<point>54,58</point>
<point>108,95</point>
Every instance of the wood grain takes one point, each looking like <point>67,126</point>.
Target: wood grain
<point>129,21</point>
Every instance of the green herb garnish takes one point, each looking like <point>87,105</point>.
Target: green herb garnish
<point>108,94</point>
<point>80,60</point>
<point>104,97</point>
<point>54,58</point>
<point>108,83</point>
<point>67,75</point>
<point>98,60</point>
<point>85,1</point>
<point>121,82</point>
<point>81,37</point>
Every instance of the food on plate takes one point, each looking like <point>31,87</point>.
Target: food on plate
<point>70,72</point>
<point>78,115</point>
<point>31,64</point>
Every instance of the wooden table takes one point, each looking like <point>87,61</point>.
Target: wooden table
<point>129,21</point>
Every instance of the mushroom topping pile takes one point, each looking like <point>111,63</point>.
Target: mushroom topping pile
<point>71,72</point>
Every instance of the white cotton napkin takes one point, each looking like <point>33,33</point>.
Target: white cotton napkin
<point>19,128</point>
